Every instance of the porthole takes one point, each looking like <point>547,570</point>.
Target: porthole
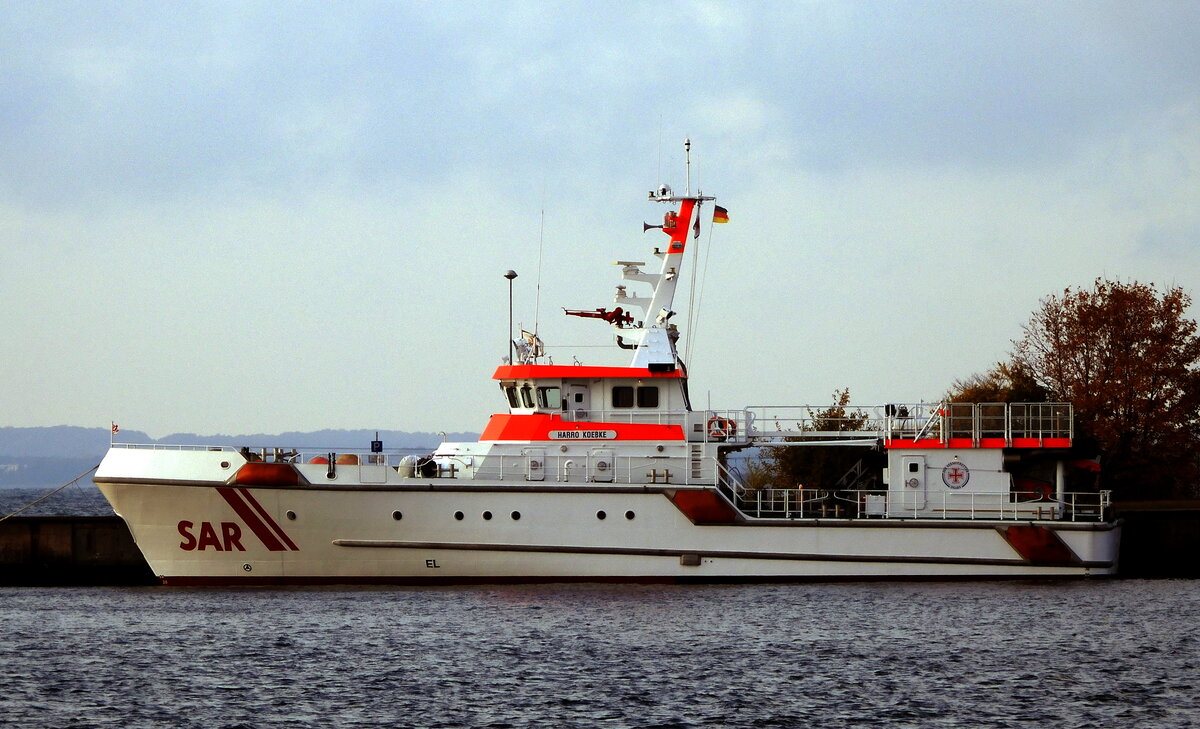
<point>516,516</point>
<point>397,515</point>
<point>629,515</point>
<point>291,515</point>
<point>487,516</point>
<point>224,464</point>
<point>601,515</point>
<point>458,515</point>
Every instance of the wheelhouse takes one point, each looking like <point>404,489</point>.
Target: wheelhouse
<point>592,394</point>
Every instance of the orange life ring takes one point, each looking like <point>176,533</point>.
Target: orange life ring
<point>721,428</point>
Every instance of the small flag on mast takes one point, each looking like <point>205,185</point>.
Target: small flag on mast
<point>720,214</point>
<point>115,429</point>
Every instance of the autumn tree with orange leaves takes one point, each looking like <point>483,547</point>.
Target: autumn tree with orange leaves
<point>1128,359</point>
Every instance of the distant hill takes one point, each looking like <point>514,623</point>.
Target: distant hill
<point>68,441</point>
<point>47,457</point>
<point>61,441</point>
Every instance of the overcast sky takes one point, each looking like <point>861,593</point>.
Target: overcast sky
<point>260,217</point>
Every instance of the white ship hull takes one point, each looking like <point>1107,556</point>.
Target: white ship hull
<point>216,533</point>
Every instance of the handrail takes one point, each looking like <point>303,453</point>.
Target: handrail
<point>795,424</point>
<point>917,421</point>
<point>793,503</point>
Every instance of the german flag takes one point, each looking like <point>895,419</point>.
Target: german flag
<point>720,214</point>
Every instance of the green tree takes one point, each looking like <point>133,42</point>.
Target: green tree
<point>1128,359</point>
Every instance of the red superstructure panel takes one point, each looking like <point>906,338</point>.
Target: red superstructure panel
<point>537,427</point>
<point>966,443</point>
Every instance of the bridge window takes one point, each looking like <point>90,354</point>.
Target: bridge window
<point>527,395</point>
<point>647,397</point>
<point>511,392</point>
<point>622,396</point>
<point>549,398</point>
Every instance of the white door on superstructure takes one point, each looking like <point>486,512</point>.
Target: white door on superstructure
<point>579,401</point>
<point>913,468</point>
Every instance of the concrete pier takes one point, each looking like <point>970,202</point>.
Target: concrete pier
<point>70,550</point>
<point>1160,538</point>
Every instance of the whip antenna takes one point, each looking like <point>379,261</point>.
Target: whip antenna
<point>687,162</point>
<point>537,298</point>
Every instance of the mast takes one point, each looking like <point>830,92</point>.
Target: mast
<point>654,335</point>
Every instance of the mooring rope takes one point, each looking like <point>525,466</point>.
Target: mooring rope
<point>55,491</point>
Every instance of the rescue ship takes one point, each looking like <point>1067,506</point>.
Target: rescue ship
<point>609,473</point>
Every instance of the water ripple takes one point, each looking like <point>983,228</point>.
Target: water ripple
<point>1079,654</point>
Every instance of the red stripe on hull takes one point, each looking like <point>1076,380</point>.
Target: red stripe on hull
<point>246,512</point>
<point>1039,545</point>
<point>704,507</point>
<point>274,525</point>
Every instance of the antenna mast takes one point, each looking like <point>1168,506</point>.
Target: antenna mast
<point>537,306</point>
<point>687,157</point>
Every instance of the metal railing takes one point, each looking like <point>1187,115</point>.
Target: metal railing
<point>776,503</point>
<point>806,424</point>
<point>1009,422</point>
<point>801,503</point>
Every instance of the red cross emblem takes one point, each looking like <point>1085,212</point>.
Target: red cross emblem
<point>955,475</point>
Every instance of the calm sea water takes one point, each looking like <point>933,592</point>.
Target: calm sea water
<point>82,499</point>
<point>1078,654</point>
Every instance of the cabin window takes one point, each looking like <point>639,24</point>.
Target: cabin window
<point>647,397</point>
<point>622,396</point>
<point>549,398</point>
<point>527,395</point>
<point>511,392</point>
